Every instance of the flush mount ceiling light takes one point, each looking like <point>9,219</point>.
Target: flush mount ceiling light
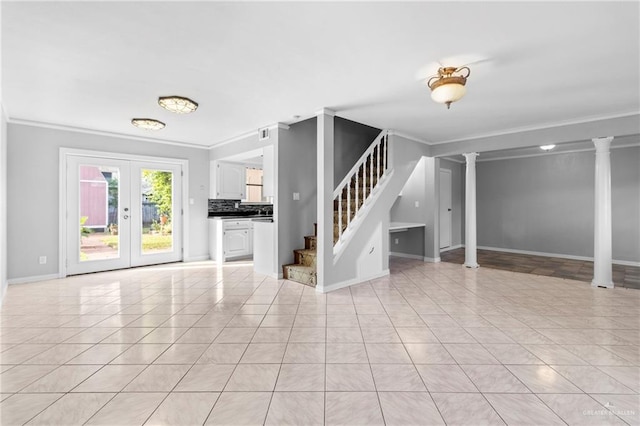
<point>147,123</point>
<point>177,104</point>
<point>547,147</point>
<point>448,85</point>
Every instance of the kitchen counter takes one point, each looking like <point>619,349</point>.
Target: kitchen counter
<point>257,216</point>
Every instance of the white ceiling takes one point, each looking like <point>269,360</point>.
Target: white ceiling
<point>96,65</point>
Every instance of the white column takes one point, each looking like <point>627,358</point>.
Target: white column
<point>324,150</point>
<point>470,249</point>
<point>602,265</point>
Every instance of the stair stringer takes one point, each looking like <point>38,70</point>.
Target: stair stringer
<point>344,270</point>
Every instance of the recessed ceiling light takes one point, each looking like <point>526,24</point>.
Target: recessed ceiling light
<point>547,147</point>
<point>177,104</point>
<point>147,123</point>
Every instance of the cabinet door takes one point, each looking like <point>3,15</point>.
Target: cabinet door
<point>236,242</point>
<point>231,181</point>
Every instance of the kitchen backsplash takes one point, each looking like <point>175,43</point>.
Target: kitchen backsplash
<point>229,207</point>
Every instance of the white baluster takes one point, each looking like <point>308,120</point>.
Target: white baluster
<point>371,172</point>
<point>364,181</point>
<point>340,217</point>
<point>349,203</point>
<point>379,154</point>
<point>384,155</point>
<point>357,189</point>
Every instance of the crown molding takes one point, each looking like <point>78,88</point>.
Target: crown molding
<point>235,139</point>
<point>541,127</point>
<point>570,151</point>
<point>34,123</point>
<point>409,137</point>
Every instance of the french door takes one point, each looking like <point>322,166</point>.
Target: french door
<point>121,213</point>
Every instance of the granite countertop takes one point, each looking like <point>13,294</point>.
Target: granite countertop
<point>261,216</point>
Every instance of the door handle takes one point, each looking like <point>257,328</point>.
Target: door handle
<point>126,216</point>
<point>448,210</point>
<point>126,209</point>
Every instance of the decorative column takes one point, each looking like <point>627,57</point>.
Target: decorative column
<point>470,249</point>
<point>602,252</point>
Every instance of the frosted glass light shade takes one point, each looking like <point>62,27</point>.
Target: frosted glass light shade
<point>177,104</point>
<point>448,93</point>
<point>147,123</point>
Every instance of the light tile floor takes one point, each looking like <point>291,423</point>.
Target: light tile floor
<point>196,344</point>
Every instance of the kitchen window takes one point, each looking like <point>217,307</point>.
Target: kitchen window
<point>254,185</point>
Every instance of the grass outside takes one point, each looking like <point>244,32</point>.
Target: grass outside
<point>149,242</point>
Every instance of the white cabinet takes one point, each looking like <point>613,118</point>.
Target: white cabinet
<point>230,238</point>
<point>230,181</point>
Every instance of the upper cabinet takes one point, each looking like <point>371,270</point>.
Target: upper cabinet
<point>229,182</point>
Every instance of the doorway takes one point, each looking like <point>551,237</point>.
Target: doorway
<point>121,213</point>
<point>445,208</point>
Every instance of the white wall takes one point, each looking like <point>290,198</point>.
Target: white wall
<point>33,192</point>
<point>3,203</point>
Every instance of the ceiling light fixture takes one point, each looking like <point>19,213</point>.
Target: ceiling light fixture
<point>147,123</point>
<point>448,85</point>
<point>177,104</point>
<point>547,147</point>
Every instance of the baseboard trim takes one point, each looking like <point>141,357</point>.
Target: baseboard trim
<point>431,259</point>
<point>443,250</point>
<point>33,279</point>
<point>406,255</point>
<point>561,256</point>
<point>347,283</point>
<point>196,259</point>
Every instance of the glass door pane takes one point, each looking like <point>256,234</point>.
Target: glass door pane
<point>156,226</point>
<point>97,224</point>
<point>156,196</point>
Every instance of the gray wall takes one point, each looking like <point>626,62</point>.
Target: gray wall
<point>546,203</point>
<point>297,172</point>
<point>404,209</point>
<point>3,203</point>
<point>33,191</point>
<point>351,140</point>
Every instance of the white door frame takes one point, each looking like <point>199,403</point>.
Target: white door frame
<point>450,229</point>
<point>62,208</point>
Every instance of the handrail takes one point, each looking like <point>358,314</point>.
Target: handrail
<point>358,163</point>
<point>364,187</point>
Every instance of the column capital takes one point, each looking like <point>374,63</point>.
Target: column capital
<point>602,144</point>
<point>470,156</point>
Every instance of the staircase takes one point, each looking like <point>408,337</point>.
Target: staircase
<point>304,268</point>
<point>351,195</point>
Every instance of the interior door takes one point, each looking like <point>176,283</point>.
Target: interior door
<point>122,213</point>
<point>445,208</point>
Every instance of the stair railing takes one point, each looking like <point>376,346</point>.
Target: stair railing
<point>361,179</point>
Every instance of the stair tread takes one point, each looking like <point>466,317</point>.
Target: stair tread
<point>305,251</point>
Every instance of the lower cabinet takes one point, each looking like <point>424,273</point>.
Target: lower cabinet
<point>230,238</point>
<point>237,242</point>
